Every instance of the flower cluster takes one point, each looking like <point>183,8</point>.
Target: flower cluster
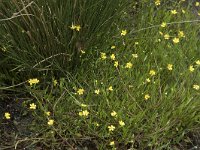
<point>75,27</point>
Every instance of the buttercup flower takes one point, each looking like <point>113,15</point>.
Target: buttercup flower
<point>181,34</point>
<point>80,91</point>
<point>7,115</point>
<point>164,24</point>
<point>111,128</point>
<point>84,113</point>
<point>78,27</point>
<point>113,47</point>
<point>32,106</point>
<point>170,67</point>
<point>116,63</point>
<point>166,36</point>
<point>97,91</point>
<point>121,123</point>
<point>196,87</point>
<point>148,80</point>
<point>82,52</point>
<point>50,122</point>
<point>191,68</point>
<point>147,96</point>
<point>157,2</point>
<point>136,43</point>
<point>152,72</point>
<point>55,82</point>
<point>112,143</point>
<point>129,65</point>
<point>197,4</point>
<point>197,62</point>
<point>33,81</point>
<point>110,88</point>
<point>176,40</point>
<point>113,114</point>
<point>183,11</point>
<point>112,56</point>
<point>83,105</point>
<point>135,55</point>
<point>103,56</point>
<point>123,33</point>
<point>96,124</point>
<point>48,113</point>
<point>75,27</point>
<point>174,12</point>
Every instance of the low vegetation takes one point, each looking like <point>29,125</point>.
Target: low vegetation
<point>99,74</point>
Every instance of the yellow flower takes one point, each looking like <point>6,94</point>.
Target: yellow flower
<point>83,105</point>
<point>183,11</point>
<point>135,55</point>
<point>121,123</point>
<point>160,33</point>
<point>197,4</point>
<point>113,114</point>
<point>129,65</point>
<point>48,113</point>
<point>75,27</point>
<point>152,72</point>
<point>148,80</point>
<point>110,88</point>
<point>97,91</point>
<point>113,47</point>
<point>174,12</point>
<point>55,82</point>
<point>80,91</point>
<point>164,24</point>
<point>136,43</point>
<point>166,36</point>
<point>112,56</point>
<point>84,113</point>
<point>78,27</point>
<point>103,56</point>
<point>176,40</point>
<point>96,124</point>
<point>181,34</point>
<point>170,67</point>
<point>196,87</point>
<point>191,68</point>
<point>33,81</point>
<point>112,143</point>
<point>82,51</point>
<point>147,96</point>
<point>111,128</point>
<point>123,33</point>
<point>50,122</point>
<point>157,2</point>
<point>80,113</point>
<point>7,115</point>
<point>32,106</point>
<point>116,64</point>
<point>158,40</point>
<point>197,62</point>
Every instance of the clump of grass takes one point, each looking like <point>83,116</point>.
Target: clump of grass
<point>141,92</point>
<point>38,36</point>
